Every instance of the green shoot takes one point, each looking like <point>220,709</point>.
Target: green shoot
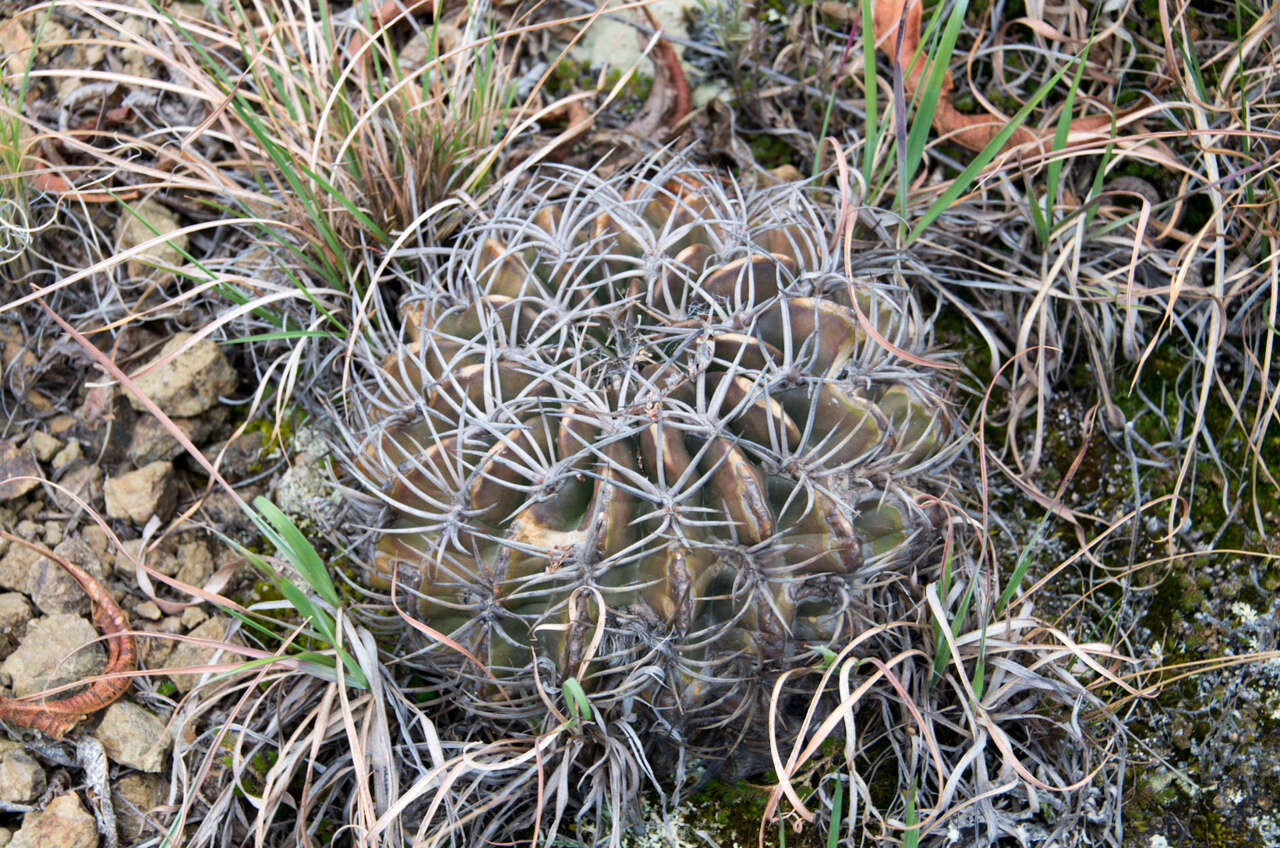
<point>1021,566</point>
<point>1054,172</point>
<point>869,86</point>
<point>943,651</point>
<point>575,698</point>
<point>930,93</point>
<point>833,828</point>
<point>911,836</point>
<point>289,540</point>
<point>1095,188</point>
<point>1039,219</point>
<point>318,625</point>
<point>962,183</point>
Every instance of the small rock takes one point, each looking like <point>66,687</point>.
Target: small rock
<point>141,494</point>
<point>13,343</point>
<point>43,445</point>
<point>67,455</point>
<point>106,425</point>
<point>418,51</point>
<point>174,554</point>
<point>133,737</point>
<point>56,650</point>
<point>190,11</point>
<point>782,175</point>
<point>148,610</point>
<point>307,489</point>
<point>152,442</point>
<point>21,778</point>
<point>154,651</point>
<point>135,61</point>
<point>53,589</point>
<point>63,823</point>
<point>197,563</point>
<point>16,46</point>
<point>240,456</point>
<point>61,425</point>
<point>190,654</point>
<point>52,533</point>
<point>193,617</point>
<point>190,383</point>
<point>227,514</point>
<point>15,612</point>
<point>135,796</point>
<point>96,538</point>
<point>82,480</point>
<point>144,222</point>
<point>27,528</point>
<point>311,441</point>
<point>130,550</point>
<point>15,567</point>
<point>53,38</point>
<point>16,463</point>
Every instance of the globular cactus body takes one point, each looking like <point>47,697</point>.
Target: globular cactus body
<point>649,435</point>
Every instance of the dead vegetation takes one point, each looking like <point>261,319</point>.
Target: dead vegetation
<point>1111,254</point>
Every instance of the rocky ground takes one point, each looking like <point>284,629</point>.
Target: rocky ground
<point>109,460</point>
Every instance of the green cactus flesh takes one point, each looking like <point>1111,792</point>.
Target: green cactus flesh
<point>654,439</point>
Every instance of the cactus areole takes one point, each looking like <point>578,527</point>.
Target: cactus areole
<point>647,433</point>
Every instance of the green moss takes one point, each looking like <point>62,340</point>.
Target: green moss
<point>771,151</point>
<point>1178,590</point>
<point>571,77</point>
<point>732,813</point>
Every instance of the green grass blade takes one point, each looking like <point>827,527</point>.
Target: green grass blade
<point>911,836</point>
<point>1038,219</point>
<point>282,335</point>
<point>961,183</point>
<point>931,91</point>
<point>943,652</point>
<point>1061,131</point>
<point>978,681</point>
<point>869,85</point>
<point>837,803</point>
<point>1099,177</point>
<point>575,698</point>
<point>1021,566</point>
<point>299,550</point>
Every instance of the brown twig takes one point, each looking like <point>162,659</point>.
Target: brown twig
<point>56,718</point>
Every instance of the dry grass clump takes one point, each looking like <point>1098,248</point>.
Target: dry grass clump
<point>315,176</point>
<point>263,154</point>
<point>1118,244</point>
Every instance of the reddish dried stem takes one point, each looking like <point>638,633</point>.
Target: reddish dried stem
<point>670,61</point>
<point>56,718</point>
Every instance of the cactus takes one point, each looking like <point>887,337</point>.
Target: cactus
<point>647,434</point>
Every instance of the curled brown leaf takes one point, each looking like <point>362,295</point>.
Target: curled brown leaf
<point>57,718</point>
<point>973,132</point>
